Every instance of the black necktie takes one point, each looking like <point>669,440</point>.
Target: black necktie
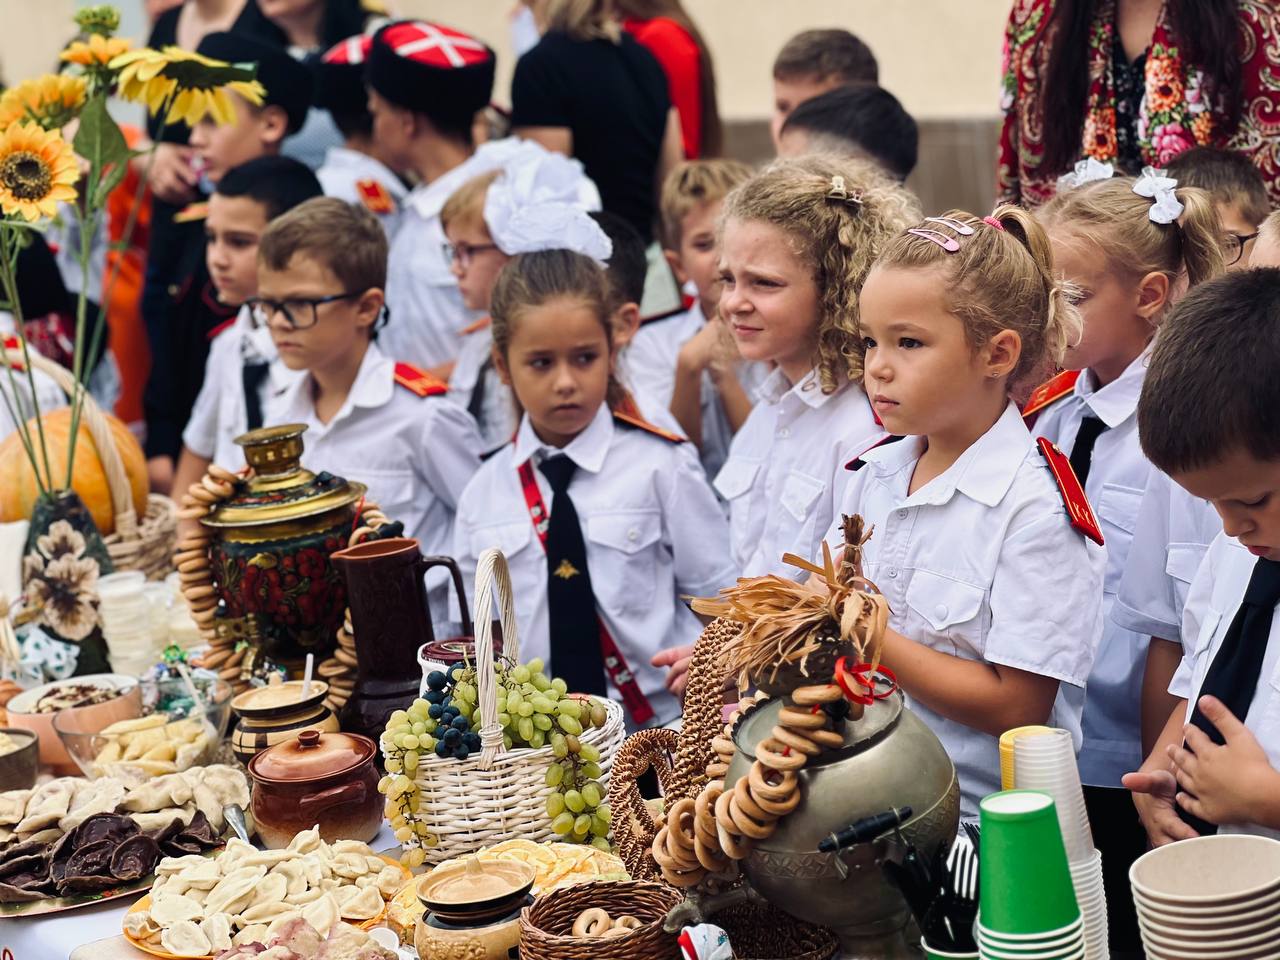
<point>1082,449</point>
<point>1233,675</point>
<point>252,376</point>
<point>575,630</point>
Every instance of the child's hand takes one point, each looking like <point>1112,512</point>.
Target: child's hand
<point>1232,783</point>
<point>724,351</point>
<point>699,351</point>
<point>1153,795</point>
<point>678,659</point>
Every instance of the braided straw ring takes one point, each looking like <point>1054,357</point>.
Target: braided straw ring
<point>796,741</point>
<point>773,755</point>
<point>762,786</point>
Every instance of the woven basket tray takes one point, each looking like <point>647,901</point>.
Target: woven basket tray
<point>501,794</point>
<point>545,925</point>
<point>144,544</point>
<point>766,933</point>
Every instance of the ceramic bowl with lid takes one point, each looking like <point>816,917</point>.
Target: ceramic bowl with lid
<point>327,780</point>
<point>276,713</point>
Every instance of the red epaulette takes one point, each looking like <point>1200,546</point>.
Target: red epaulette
<point>630,419</point>
<point>416,380</point>
<point>223,326</point>
<point>13,343</point>
<point>482,324</point>
<point>375,196</point>
<point>1051,391</point>
<point>1073,495</point>
<point>857,463</point>
<point>192,212</point>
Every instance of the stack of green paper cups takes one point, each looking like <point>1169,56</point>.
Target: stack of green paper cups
<point>1027,904</point>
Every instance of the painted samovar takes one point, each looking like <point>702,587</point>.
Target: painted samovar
<point>271,548</point>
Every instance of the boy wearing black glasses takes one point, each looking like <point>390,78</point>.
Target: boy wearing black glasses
<point>322,268</point>
<point>1238,191</point>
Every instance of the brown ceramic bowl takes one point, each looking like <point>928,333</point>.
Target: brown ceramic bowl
<point>53,753</point>
<point>473,892</point>
<point>18,767</point>
<point>316,779</point>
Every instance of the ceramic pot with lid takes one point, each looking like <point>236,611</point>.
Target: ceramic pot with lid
<point>316,779</point>
<point>273,714</point>
<point>272,541</point>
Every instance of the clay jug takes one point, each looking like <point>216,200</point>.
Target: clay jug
<point>391,619</point>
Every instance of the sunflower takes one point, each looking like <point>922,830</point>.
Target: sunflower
<point>37,169</point>
<point>97,51</point>
<point>197,86</point>
<point>51,101</point>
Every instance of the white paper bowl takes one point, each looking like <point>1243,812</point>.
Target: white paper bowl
<point>1208,871</point>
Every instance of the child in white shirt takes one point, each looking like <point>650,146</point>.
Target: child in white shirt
<point>387,425</point>
<point>992,570</point>
<point>598,595</point>
<point>1207,417</point>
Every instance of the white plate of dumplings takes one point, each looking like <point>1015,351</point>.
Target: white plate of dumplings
<point>199,907</point>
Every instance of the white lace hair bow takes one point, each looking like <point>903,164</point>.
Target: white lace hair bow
<point>1158,188</point>
<point>1086,171</point>
<point>540,201</point>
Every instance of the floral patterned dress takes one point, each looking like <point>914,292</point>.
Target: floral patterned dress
<point>1138,113</point>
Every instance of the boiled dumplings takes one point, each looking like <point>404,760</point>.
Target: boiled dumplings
<point>202,906</point>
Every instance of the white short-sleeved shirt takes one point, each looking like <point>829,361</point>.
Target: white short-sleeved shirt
<point>653,532</point>
<point>785,470</point>
<point>48,395</point>
<point>415,454</point>
<point>1117,477</point>
<point>982,563</point>
<point>219,414</point>
<point>475,384</point>
<point>1173,532</point>
<point>366,181</point>
<point>651,361</point>
<point>1215,595</point>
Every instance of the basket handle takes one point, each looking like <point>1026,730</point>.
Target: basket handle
<point>99,432</point>
<point>491,572</point>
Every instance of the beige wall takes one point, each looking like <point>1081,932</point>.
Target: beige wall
<point>940,57</point>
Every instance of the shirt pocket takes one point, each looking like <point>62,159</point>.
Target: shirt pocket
<point>734,483</point>
<point>951,609</point>
<point>511,537</point>
<point>1183,560</point>
<point>623,554</point>
<point>393,491</point>
<point>1118,513</point>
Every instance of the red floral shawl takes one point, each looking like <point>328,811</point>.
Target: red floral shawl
<point>1176,115</point>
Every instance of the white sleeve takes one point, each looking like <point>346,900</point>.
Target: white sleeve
<point>1046,600</point>
<point>1193,615</point>
<point>696,528</point>
<point>651,367</point>
<point>1146,602</point>
<point>449,450</point>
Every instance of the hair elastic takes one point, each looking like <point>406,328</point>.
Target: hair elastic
<point>993,222</point>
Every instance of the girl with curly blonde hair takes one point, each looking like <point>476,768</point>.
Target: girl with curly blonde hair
<point>796,243</point>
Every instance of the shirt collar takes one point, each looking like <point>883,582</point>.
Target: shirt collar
<point>1118,400</point>
<point>808,389</point>
<point>983,473</point>
<point>587,449</point>
<point>372,387</point>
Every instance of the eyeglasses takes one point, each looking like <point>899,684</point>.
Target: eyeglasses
<point>463,253</point>
<point>1233,246</point>
<point>295,310</point>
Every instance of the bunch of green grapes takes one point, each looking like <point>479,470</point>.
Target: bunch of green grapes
<point>406,739</point>
<point>536,711</point>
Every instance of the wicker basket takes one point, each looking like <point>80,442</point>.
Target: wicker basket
<point>766,932</point>
<point>144,544</point>
<point>502,794</point>
<point>546,924</point>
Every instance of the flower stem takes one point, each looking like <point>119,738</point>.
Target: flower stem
<point>9,247</point>
<point>88,223</point>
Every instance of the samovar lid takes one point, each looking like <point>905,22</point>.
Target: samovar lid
<point>281,488</point>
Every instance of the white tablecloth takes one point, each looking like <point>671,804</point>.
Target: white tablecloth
<point>54,936</point>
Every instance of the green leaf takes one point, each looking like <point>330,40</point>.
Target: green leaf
<point>194,75</point>
<point>101,143</point>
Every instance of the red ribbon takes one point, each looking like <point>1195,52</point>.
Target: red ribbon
<point>848,678</point>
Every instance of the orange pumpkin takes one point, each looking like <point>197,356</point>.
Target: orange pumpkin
<point>18,487</point>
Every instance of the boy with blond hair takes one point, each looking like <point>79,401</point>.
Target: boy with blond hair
<point>687,362</point>
<point>322,268</point>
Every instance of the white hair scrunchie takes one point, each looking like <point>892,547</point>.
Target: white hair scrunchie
<point>1086,171</point>
<point>1159,189</point>
<point>540,201</point>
